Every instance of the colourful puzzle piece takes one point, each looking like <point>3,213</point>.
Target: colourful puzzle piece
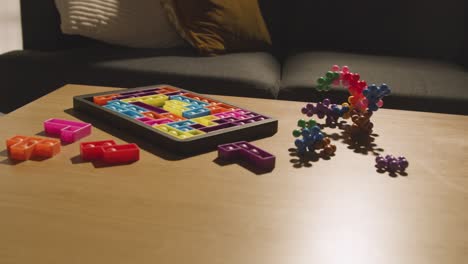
<point>154,100</point>
<point>24,147</point>
<point>94,150</point>
<point>173,131</point>
<point>109,152</point>
<point>68,131</point>
<point>248,152</point>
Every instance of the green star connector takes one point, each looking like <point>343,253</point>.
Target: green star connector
<point>324,83</point>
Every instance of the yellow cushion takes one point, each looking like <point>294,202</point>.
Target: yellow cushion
<point>219,26</point>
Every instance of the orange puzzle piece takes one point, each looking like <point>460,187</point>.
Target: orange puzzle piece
<point>24,148</point>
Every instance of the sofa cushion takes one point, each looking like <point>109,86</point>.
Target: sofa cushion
<point>141,24</point>
<point>416,84</point>
<point>41,26</point>
<point>429,29</point>
<point>219,26</point>
<point>27,75</point>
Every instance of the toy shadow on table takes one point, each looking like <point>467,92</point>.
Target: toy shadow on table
<point>11,162</point>
<point>306,159</point>
<point>43,134</point>
<point>4,153</point>
<point>97,164</point>
<point>340,125</point>
<point>242,163</point>
<point>143,144</point>
<point>393,174</point>
<point>7,160</point>
<point>362,144</point>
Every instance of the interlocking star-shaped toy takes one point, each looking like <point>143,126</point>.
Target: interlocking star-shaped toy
<point>332,112</point>
<point>312,138</point>
<point>374,95</point>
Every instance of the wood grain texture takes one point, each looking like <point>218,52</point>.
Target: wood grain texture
<point>163,209</point>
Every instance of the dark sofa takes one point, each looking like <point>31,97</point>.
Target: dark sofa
<point>417,47</point>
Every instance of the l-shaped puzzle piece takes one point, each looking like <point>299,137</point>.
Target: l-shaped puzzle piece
<point>68,131</point>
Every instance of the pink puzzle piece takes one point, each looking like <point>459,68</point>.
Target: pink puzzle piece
<point>68,131</point>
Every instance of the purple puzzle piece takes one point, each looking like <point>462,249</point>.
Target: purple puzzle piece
<point>197,126</point>
<point>244,150</point>
<point>150,107</point>
<point>217,127</point>
<point>221,121</point>
<point>158,121</point>
<point>151,121</point>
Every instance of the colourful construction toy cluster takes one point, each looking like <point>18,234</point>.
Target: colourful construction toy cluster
<point>332,112</point>
<point>32,147</point>
<point>243,150</point>
<point>177,113</point>
<point>312,138</point>
<point>362,102</point>
<point>362,97</point>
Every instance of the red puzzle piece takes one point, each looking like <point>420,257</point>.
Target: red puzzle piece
<point>109,152</point>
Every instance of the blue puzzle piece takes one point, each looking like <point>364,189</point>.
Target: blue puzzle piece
<point>196,113</point>
<point>132,114</point>
<point>188,100</point>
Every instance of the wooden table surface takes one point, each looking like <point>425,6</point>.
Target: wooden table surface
<point>163,209</point>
